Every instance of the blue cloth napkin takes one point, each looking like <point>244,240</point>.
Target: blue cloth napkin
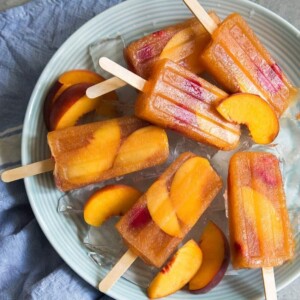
<point>29,35</point>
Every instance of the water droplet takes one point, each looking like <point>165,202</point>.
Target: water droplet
<point>251,13</point>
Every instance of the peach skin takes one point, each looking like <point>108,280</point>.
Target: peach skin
<point>216,258</point>
<point>66,101</point>
<point>177,272</point>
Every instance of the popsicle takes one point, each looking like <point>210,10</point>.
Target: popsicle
<point>187,40</point>
<point>260,230</point>
<point>94,152</point>
<point>177,99</point>
<point>182,43</point>
<point>159,220</point>
<point>239,61</point>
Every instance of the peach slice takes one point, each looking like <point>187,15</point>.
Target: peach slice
<point>187,44</point>
<point>189,189</point>
<point>184,48</point>
<point>161,209</point>
<point>66,102</point>
<point>73,104</point>
<point>216,257</point>
<point>73,96</point>
<point>64,81</point>
<point>178,271</point>
<point>144,144</point>
<point>254,112</point>
<point>76,76</point>
<point>112,200</point>
<point>270,234</point>
<point>101,149</point>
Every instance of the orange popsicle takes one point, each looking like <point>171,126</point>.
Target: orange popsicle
<point>260,230</point>
<point>98,151</point>
<point>160,219</point>
<point>239,61</point>
<point>187,40</point>
<point>175,98</point>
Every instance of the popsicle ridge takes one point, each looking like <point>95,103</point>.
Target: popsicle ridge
<point>176,98</point>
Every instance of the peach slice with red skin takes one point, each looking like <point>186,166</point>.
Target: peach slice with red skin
<point>187,44</point>
<point>254,112</point>
<point>66,102</point>
<point>64,81</point>
<point>216,257</point>
<point>73,77</point>
<point>71,97</point>
<point>177,272</point>
<point>112,200</point>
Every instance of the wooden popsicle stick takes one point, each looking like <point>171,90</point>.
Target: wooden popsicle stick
<point>269,283</point>
<point>104,87</point>
<point>201,15</point>
<point>117,271</point>
<point>39,167</point>
<point>122,73</point>
<point>133,79</point>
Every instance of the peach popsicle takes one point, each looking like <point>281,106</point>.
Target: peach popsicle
<point>182,43</point>
<point>98,151</point>
<point>187,40</point>
<point>177,99</point>
<point>260,230</point>
<point>239,61</point>
<point>94,152</point>
<point>160,218</point>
